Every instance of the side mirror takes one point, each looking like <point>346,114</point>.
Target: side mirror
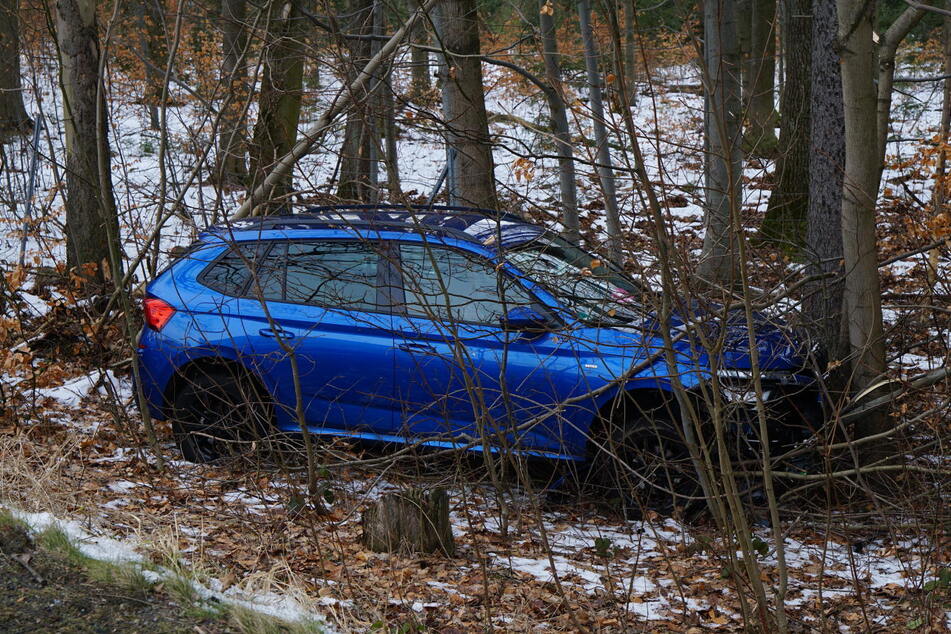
<point>524,318</point>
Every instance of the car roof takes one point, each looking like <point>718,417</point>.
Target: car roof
<point>482,226</point>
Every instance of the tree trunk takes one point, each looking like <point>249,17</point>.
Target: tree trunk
<point>149,15</point>
<point>760,134</point>
<point>887,49</point>
<point>90,207</point>
<point>559,124</point>
<point>723,157</point>
<point>744,26</point>
<point>785,220</point>
<point>603,158</point>
<point>467,126</point>
<point>940,193</point>
<point>358,145</point>
<point>420,81</point>
<point>412,522</point>
<point>630,49</point>
<point>232,141</point>
<point>275,131</point>
<point>823,303</point>
<point>862,287</point>
<point>13,117</point>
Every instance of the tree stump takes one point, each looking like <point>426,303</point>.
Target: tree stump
<point>411,521</point>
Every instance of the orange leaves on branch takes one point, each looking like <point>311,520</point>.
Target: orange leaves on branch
<point>547,8</point>
<point>524,169</point>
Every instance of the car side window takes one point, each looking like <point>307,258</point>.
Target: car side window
<point>448,285</point>
<point>332,274</point>
<point>231,274</point>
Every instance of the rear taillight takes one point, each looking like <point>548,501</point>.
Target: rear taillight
<point>157,312</point>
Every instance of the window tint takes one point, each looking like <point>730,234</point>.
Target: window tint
<point>268,279</point>
<point>333,274</point>
<point>230,274</point>
<point>448,285</point>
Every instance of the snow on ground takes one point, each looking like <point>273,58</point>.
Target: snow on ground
<point>99,545</point>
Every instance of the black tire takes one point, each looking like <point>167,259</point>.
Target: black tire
<point>217,413</point>
<point>643,463</point>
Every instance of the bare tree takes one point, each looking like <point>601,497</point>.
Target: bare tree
<point>467,125</point>
<point>232,142</point>
<point>421,80</point>
<point>13,116</point>
<point>279,101</point>
<point>862,285</point>
<point>559,122</point>
<point>603,157</point>
<point>358,160</point>
<point>723,154</point>
<point>761,72</point>
<point>786,214</point>
<point>823,302</point>
<point>91,220</point>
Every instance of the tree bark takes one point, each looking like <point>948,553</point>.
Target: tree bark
<point>630,49</point>
<point>357,153</point>
<point>723,157</point>
<point>603,157</point>
<point>940,193</point>
<point>232,137</point>
<point>90,207</point>
<point>279,102</point>
<point>887,49</point>
<point>467,125</point>
<point>785,220</point>
<point>760,134</point>
<point>412,522</point>
<point>13,117</point>
<point>823,302</point>
<point>559,124</point>
<point>862,286</point>
<point>420,81</point>
<point>149,15</point>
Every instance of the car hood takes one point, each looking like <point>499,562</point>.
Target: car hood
<point>778,346</point>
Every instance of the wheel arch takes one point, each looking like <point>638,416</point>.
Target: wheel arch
<point>211,365</point>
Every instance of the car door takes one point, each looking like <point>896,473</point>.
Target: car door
<point>320,328</point>
<point>457,371</point>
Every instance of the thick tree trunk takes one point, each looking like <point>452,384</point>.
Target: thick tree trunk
<point>275,131</point>
<point>412,522</point>
<point>357,153</point>
<point>13,117</point>
<point>785,221</point>
<point>559,124</point>
<point>90,208</point>
<point>744,27</point>
<point>467,125</point>
<point>723,157</point>
<point>232,141</point>
<point>823,303</point>
<point>862,287</point>
<point>760,134</point>
<point>603,157</point>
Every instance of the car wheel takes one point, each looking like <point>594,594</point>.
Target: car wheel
<point>216,414</point>
<point>643,463</point>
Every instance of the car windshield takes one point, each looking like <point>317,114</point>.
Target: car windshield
<point>590,287</point>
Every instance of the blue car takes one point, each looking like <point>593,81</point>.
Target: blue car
<point>446,327</point>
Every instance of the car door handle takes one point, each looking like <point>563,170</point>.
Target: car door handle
<point>276,332</point>
<point>417,347</point>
